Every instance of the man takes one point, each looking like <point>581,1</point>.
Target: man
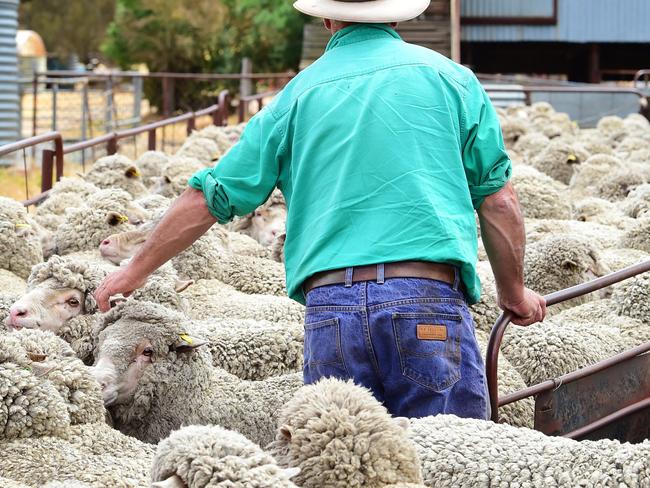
<point>383,151</point>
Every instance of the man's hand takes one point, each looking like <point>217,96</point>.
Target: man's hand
<point>124,282</point>
<point>528,310</point>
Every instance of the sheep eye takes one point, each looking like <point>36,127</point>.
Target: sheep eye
<point>147,352</point>
<point>73,302</point>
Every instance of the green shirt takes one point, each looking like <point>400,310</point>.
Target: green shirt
<point>382,150</point>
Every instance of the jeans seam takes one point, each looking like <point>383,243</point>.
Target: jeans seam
<point>334,308</point>
<point>415,301</point>
<point>366,329</point>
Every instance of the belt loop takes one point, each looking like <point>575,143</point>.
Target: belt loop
<point>348,277</point>
<point>380,274</point>
<point>456,278</point>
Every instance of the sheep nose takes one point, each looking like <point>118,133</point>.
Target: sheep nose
<point>17,312</point>
<point>106,242</point>
<point>274,233</point>
<point>103,385</point>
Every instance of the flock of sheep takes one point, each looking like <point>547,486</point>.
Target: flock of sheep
<point>195,381</point>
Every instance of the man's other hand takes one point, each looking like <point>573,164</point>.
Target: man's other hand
<point>124,282</point>
<point>528,310</point>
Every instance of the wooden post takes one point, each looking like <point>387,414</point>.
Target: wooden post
<point>246,84</point>
<point>151,143</point>
<point>46,170</point>
<point>594,63</point>
<point>455,30</point>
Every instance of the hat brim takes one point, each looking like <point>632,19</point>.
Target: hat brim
<point>375,11</point>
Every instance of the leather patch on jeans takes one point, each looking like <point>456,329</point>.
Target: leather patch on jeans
<point>429,332</point>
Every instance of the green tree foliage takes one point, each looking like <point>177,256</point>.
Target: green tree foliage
<point>69,26</point>
<point>204,36</point>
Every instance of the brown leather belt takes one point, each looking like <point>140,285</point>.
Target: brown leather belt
<point>402,269</point>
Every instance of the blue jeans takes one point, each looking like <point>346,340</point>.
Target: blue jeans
<point>410,341</point>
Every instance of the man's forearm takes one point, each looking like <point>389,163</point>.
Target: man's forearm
<point>504,237</point>
<point>186,220</point>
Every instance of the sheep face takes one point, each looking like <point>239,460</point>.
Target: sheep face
<point>268,223</point>
<point>129,350</point>
<point>119,247</point>
<point>46,308</point>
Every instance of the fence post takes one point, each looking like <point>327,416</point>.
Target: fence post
<point>108,118</point>
<point>151,143</point>
<point>46,170</point>
<point>34,106</point>
<point>222,114</point>
<point>168,96</point>
<point>246,83</point>
<point>137,99</point>
<point>191,124</point>
<point>111,147</point>
<point>58,155</point>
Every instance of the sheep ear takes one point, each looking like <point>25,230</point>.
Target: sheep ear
<point>114,218</point>
<point>291,472</point>
<point>403,423</point>
<point>90,304</point>
<point>569,264</point>
<point>173,482</point>
<point>187,343</point>
<point>132,172</point>
<point>285,433</point>
<point>182,285</point>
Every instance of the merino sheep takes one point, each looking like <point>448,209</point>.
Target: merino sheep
<point>151,164</point>
<point>212,457</point>
<point>213,299</point>
<point>146,355</point>
<point>599,211</point>
<point>539,194</point>
<point>612,128</point>
<point>20,245</point>
<point>254,349</point>
<point>638,236</point>
<point>559,262</point>
<point>466,452</point>
<point>90,455</point>
<point>175,175</point>
<point>266,223</point>
<point>339,436</point>
<point>601,236</point>
<point>637,203</point>
<point>116,172</point>
<point>531,144</point>
<point>557,160</point>
<point>202,148</point>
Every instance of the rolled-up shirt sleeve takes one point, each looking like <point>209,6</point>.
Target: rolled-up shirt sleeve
<point>487,164</point>
<point>244,178</point>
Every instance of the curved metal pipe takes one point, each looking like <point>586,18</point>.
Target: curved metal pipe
<point>499,329</point>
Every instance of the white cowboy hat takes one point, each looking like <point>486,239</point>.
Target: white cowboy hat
<point>363,11</point>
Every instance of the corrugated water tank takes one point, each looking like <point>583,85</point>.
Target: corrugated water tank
<point>9,90</point>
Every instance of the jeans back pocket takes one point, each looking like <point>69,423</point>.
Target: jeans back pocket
<point>323,356</point>
<point>429,348</point>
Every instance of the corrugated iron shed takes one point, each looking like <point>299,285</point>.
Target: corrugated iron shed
<point>578,21</point>
<point>9,97</point>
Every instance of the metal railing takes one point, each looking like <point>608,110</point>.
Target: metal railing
<point>244,103</point>
<point>52,159</point>
<point>499,329</point>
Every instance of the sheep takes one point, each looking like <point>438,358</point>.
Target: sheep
<point>50,213</point>
<point>467,452</point>
<point>218,135</point>
<point>146,355</point>
<point>528,145</point>
<point>175,175</point>
<point>618,184</point>
<point>154,204</point>
<point>20,246</point>
<point>338,435</point>
<point>10,283</point>
<point>612,128</point>
<point>202,148</point>
<point>630,145</point>
<point>247,246</point>
<point>265,223</point>
<point>638,236</point>
<point>539,194</point>
<point>254,349</point>
<point>7,483</point>
<point>116,172</point>
<point>277,248</point>
<point>210,457</point>
<point>557,160</point>
<point>151,164</point>
<point>86,227</point>
<point>601,236</point>
<point>637,203</point>
<point>486,311</point>
<point>559,262</point>
<point>45,386</point>
<point>632,298</point>
<point>90,455</point>
<point>617,259</point>
<point>588,174</point>
<point>599,211</point>
<point>212,299</point>
<point>208,258</point>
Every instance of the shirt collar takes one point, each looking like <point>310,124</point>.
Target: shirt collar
<point>361,32</point>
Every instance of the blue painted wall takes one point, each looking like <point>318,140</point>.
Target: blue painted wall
<point>579,21</point>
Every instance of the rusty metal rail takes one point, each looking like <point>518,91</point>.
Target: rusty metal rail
<point>499,329</point>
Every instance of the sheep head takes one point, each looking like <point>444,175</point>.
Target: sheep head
<point>58,291</point>
<point>132,338</point>
<point>119,247</point>
<point>338,434</point>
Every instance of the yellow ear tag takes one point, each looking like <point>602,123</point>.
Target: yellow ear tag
<point>20,225</point>
<point>186,338</point>
<point>572,158</point>
<point>123,219</point>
